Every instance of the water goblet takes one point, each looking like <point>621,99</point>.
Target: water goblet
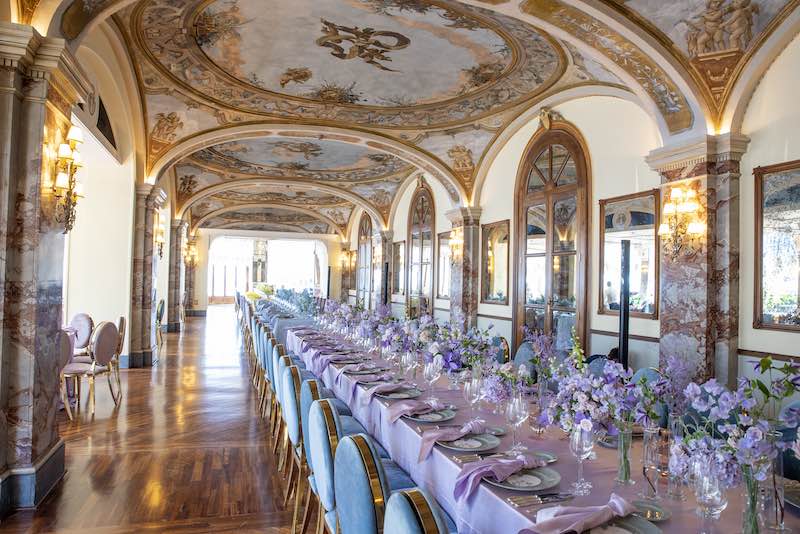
<point>473,392</point>
<point>431,373</point>
<point>517,412</point>
<point>709,491</point>
<point>581,444</point>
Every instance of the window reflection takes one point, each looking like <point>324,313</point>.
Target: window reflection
<point>398,267</point>
<point>495,254</point>
<point>443,264</point>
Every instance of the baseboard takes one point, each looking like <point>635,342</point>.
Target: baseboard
<point>196,313</point>
<point>26,487</point>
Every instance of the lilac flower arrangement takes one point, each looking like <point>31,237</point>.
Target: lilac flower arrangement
<point>394,338</point>
<point>544,358</point>
<point>500,381</point>
<point>461,347</point>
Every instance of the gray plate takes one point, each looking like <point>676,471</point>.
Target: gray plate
<point>372,371</point>
<point>472,443</point>
<point>433,417</point>
<point>548,457</point>
<point>411,393</point>
<point>538,479</point>
<point>628,525</point>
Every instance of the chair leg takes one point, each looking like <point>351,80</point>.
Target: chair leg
<point>307,509</point>
<point>300,499</point>
<point>91,392</point>
<point>320,518</point>
<point>290,482</point>
<point>62,384</point>
<point>119,380</point>
<point>111,389</point>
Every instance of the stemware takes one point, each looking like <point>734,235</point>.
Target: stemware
<point>431,373</point>
<point>581,444</point>
<point>473,392</point>
<point>517,412</point>
<point>709,491</point>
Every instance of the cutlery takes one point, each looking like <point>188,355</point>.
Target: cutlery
<point>535,500</point>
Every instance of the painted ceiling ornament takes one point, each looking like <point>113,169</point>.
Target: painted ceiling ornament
<point>295,75</point>
<point>211,27</point>
<point>462,163</point>
<point>165,129</point>
<point>547,116</point>
<point>369,44</point>
<point>187,185</point>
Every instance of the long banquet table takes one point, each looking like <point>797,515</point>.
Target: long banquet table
<point>487,510</point>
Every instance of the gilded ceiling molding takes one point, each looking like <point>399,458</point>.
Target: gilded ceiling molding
<point>256,227</point>
<point>671,102</point>
<point>275,206</point>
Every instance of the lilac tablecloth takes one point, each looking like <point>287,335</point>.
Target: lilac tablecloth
<point>487,511</point>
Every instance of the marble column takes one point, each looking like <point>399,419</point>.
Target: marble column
<point>699,307</point>
<point>143,350</point>
<point>40,83</point>
<point>344,287</point>
<point>190,267</point>
<point>176,274</point>
<point>381,254</point>
<point>465,252</point>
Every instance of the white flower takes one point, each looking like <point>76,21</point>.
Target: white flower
<point>586,425</point>
<point>438,361</point>
<point>434,348</point>
<point>523,372</point>
<point>507,367</point>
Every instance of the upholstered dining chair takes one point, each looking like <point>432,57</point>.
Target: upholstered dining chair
<point>363,483</point>
<point>102,347</point>
<point>159,320</point>
<point>83,326</point>
<point>282,363</point>
<point>64,348</point>
<point>504,354</point>
<point>524,354</point>
<point>414,511</point>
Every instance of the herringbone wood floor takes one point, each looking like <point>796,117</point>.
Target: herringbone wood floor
<point>183,452</point>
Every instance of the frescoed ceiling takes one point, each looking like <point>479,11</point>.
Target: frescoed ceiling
<point>384,89</point>
<point>278,219</point>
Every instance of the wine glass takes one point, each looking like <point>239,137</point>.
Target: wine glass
<point>431,373</point>
<point>517,412</point>
<point>473,392</point>
<point>709,490</point>
<point>581,444</point>
<point>407,362</point>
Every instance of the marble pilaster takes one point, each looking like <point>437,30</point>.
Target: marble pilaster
<point>145,271</point>
<point>176,274</point>
<point>344,272</point>
<point>381,254</point>
<point>465,252</point>
<point>189,266</point>
<point>699,306</point>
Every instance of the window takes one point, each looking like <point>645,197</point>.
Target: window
<point>420,254</point>
<point>494,257</point>
<point>634,218</point>
<point>777,283</point>
<point>551,229</point>
<point>443,266</point>
<point>229,264</point>
<point>399,268</point>
<point>364,265</point>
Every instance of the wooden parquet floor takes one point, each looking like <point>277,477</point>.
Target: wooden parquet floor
<point>184,451</point>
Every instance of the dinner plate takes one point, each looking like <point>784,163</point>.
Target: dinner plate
<point>410,393</point>
<point>472,443</point>
<point>537,479</point>
<point>439,416</point>
<point>548,457</point>
<point>498,431</point>
<point>370,371</point>
<point>627,525</point>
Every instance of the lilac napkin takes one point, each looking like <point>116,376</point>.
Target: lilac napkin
<point>430,437</point>
<point>383,388</point>
<point>413,407</point>
<point>561,519</point>
<point>324,359</point>
<point>355,368</point>
<point>500,468</point>
<point>366,379</point>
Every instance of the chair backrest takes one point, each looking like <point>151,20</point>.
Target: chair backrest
<point>648,373</point>
<point>121,330</point>
<point>104,342</point>
<point>284,362</point>
<point>324,437</point>
<point>597,365</point>
<point>84,326</point>
<point>413,511</point>
<point>64,348</point>
<point>293,377</point>
<point>310,391</point>
<point>524,354</point>
<point>502,345</point>
<point>360,485</point>
<point>160,311</point>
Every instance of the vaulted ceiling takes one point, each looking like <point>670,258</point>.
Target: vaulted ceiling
<point>326,106</point>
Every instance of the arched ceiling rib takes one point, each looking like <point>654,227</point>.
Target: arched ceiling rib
<point>268,213</point>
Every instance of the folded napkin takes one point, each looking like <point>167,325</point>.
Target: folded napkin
<point>430,437</point>
<point>354,368</point>
<point>563,519</point>
<point>324,359</point>
<point>366,379</point>
<point>413,407</point>
<point>384,388</point>
<point>499,468</point>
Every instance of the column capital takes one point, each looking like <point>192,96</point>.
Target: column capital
<point>156,198</point>
<point>699,156</point>
<point>385,235</point>
<point>179,224</point>
<point>470,216</point>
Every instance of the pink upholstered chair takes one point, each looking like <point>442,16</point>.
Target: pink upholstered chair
<point>65,343</point>
<point>83,326</point>
<point>102,349</point>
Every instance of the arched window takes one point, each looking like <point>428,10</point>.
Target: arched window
<point>552,235</point>
<point>420,252</point>
<point>364,265</point>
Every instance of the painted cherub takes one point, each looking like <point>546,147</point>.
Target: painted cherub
<point>740,23</point>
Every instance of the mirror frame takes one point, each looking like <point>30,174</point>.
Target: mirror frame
<point>601,309</point>
<point>758,283</point>
<point>485,231</point>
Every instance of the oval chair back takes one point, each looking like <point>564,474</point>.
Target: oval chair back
<point>311,390</point>
<point>360,485</point>
<point>648,373</point>
<point>293,378</point>
<point>500,343</point>
<point>324,437</point>
<point>121,338</point>
<point>84,326</point>
<point>104,342</point>
<point>269,347</point>
<point>524,354</point>
<point>413,511</point>
<point>597,365</point>
<point>283,363</point>
<point>64,349</point>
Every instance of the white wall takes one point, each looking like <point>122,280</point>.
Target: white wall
<point>772,122</point>
<point>619,134</point>
<point>98,250</point>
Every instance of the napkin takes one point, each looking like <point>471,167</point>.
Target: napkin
<point>354,368</point>
<point>499,468</point>
<point>562,519</point>
<point>430,437</point>
<point>413,407</point>
<point>383,388</point>
<point>324,359</point>
<point>365,379</point>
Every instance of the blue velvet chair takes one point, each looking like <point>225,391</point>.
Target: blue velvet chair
<point>524,355</point>
<point>310,391</point>
<point>791,464</point>
<point>504,351</point>
<point>597,365</point>
<point>414,511</point>
<point>363,484</point>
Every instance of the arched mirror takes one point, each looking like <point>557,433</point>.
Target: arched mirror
<point>421,224</point>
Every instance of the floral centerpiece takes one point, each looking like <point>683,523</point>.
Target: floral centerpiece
<point>500,381</point>
<point>461,347</point>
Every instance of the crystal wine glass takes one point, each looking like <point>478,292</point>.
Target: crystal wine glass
<point>473,391</point>
<point>581,444</point>
<point>517,412</point>
<point>431,373</point>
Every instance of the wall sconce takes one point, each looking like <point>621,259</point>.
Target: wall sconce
<point>353,258</point>
<point>161,239</point>
<point>66,187</point>
<point>456,242</point>
<point>680,225</point>
<point>191,254</point>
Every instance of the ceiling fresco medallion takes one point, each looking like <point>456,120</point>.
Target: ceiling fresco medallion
<point>365,62</point>
<point>713,36</point>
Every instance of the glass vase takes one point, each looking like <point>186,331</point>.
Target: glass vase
<point>623,457</point>
<point>709,491</point>
<point>675,480</point>
<point>650,468</point>
<point>771,492</point>
<point>751,501</point>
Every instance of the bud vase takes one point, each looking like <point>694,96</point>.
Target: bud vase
<point>623,457</point>
<point>771,492</point>
<point>675,482</point>
<point>750,508</point>
<point>650,468</point>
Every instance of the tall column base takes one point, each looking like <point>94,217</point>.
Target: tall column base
<point>25,487</point>
<point>139,359</point>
